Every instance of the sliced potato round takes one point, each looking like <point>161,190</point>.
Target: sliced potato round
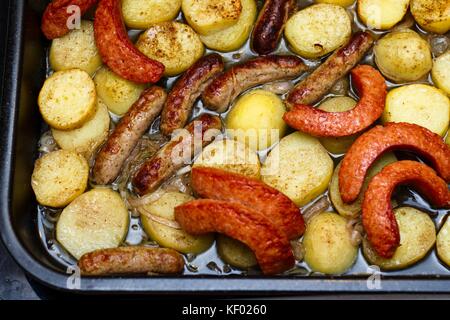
<point>59,177</point>
<point>117,93</point>
<point>441,72</point>
<point>141,14</point>
<point>230,155</point>
<point>67,99</point>
<point>417,237</point>
<point>174,44</point>
<point>210,16</point>
<point>420,104</point>
<point>318,29</point>
<point>166,235</point>
<point>89,137</point>
<point>432,15</point>
<point>353,210</point>
<point>98,219</point>
<point>232,38</point>
<point>299,166</point>
<point>257,119</point>
<point>443,242</point>
<point>382,14</point>
<point>342,3</point>
<point>403,56</point>
<point>76,49</point>
<point>235,252</point>
<point>338,104</point>
<point>327,243</point>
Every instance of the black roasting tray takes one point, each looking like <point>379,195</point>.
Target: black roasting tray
<point>24,67</point>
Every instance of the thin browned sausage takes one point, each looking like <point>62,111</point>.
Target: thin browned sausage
<point>377,215</point>
<point>57,14</point>
<point>131,260</point>
<point>271,247</point>
<point>372,89</point>
<point>373,143</point>
<point>176,153</point>
<point>270,24</point>
<point>126,134</point>
<point>186,90</point>
<point>227,86</point>
<point>116,49</point>
<point>321,80</point>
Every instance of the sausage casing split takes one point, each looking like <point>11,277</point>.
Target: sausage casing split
<point>131,260</point>
<point>227,86</point>
<point>322,79</point>
<point>57,14</point>
<point>168,159</point>
<point>271,247</point>
<point>269,26</point>
<point>222,185</point>
<point>372,90</point>
<point>126,134</point>
<point>373,143</point>
<point>186,90</point>
<point>377,215</point>
<point>116,49</point>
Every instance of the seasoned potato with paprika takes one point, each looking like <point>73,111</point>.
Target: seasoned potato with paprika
<point>443,242</point>
<point>141,14</point>
<point>382,14</point>
<point>432,15</point>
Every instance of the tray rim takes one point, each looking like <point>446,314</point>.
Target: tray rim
<point>151,285</point>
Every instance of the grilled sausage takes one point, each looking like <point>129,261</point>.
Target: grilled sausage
<point>222,185</point>
<point>372,89</point>
<point>377,215</point>
<point>186,90</point>
<point>126,134</point>
<point>322,79</point>
<point>57,14</point>
<point>370,145</point>
<point>173,155</point>
<point>116,49</point>
<point>271,247</point>
<point>131,260</point>
<point>269,26</point>
<point>227,86</point>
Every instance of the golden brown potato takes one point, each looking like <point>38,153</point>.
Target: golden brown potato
<point>174,44</point>
<point>382,14</point>
<point>235,252</point>
<point>67,99</point>
<point>141,14</point>
<point>59,177</point>
<point>432,15</point>
<point>403,56</point>
<point>417,237</point>
<point>443,242</point>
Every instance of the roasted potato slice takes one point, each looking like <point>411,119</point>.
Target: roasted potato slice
<point>76,49</point>
<point>299,166</point>
<point>440,72</point>
<point>318,29</point>
<point>97,219</point>
<point>230,155</point>
<point>403,56</point>
<point>89,137</point>
<point>382,14</point>
<point>67,99</point>
<point>353,210</point>
<point>417,237</point>
<point>210,16</point>
<point>235,252</point>
<point>432,15</point>
<point>166,235</point>
<point>59,177</point>
<point>117,93</point>
<point>443,242</point>
<point>174,44</point>
<point>141,14</point>
<point>232,38</point>
<point>342,3</point>
<point>338,104</point>
<point>420,104</point>
<point>327,243</point>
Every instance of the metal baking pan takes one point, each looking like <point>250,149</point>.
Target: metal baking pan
<point>21,126</point>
